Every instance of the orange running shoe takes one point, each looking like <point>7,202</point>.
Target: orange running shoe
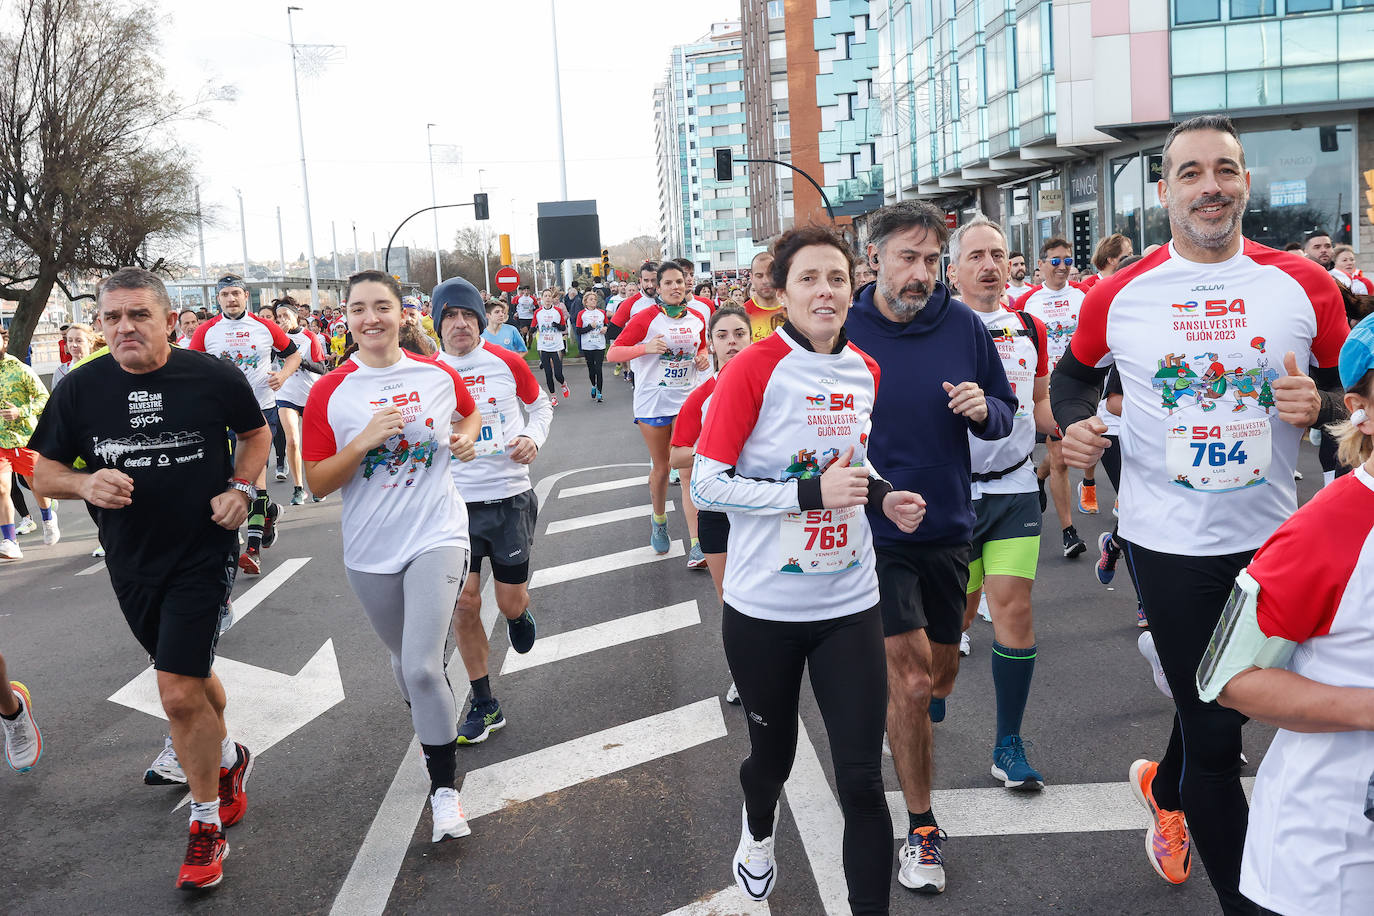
<point>1166,842</point>
<point>233,782</point>
<point>1087,498</point>
<point>205,855</point>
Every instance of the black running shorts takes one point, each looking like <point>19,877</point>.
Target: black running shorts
<point>177,620</point>
<point>713,531</point>
<point>923,586</point>
<point>503,530</point>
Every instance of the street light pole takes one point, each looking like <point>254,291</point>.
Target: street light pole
<point>305,175</point>
<point>434,201</point>
<point>200,231</point>
<point>356,266</point>
<point>375,265</point>
<point>334,240</point>
<point>558,130</point>
<point>281,251</point>
<point>243,231</point>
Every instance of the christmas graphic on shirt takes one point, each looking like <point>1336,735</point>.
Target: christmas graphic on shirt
<point>682,341</point>
<point>816,541</point>
<point>401,454</point>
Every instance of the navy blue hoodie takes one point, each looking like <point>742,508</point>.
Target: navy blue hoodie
<point>917,442</point>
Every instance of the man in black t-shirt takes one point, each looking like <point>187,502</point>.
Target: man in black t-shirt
<point>151,424</point>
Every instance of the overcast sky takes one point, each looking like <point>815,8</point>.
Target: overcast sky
<point>481,71</point>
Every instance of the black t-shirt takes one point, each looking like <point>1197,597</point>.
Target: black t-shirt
<point>166,429</point>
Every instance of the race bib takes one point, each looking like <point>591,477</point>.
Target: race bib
<point>819,542</point>
<point>594,340</point>
<point>1218,456</point>
<point>550,338</point>
<point>491,440</point>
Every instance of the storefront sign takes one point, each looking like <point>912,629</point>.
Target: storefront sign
<point>1083,185</point>
<point>1288,193</point>
<point>1050,199</point>
<point>1154,167</point>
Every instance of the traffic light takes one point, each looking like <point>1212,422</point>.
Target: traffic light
<point>725,166</point>
<point>479,206</point>
<point>605,262</point>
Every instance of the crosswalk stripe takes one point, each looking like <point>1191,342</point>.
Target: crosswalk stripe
<point>561,646</point>
<point>731,901</point>
<point>603,518</point>
<point>92,569</point>
<point>820,824</point>
<point>604,486</point>
<point>245,604</point>
<point>609,562</point>
<point>1082,808</point>
<point>523,778</point>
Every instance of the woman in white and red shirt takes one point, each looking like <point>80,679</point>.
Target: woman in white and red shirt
<point>295,391</point>
<point>666,348</point>
<point>382,427</point>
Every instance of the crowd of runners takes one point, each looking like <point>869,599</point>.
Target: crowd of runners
<point>854,442</point>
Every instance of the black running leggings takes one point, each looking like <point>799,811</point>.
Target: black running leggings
<point>1111,463</point>
<point>552,363</point>
<point>596,359</point>
<point>848,668</point>
<point>1200,771</point>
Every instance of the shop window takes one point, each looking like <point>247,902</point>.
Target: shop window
<point>1127,183</point>
<point>1187,12</point>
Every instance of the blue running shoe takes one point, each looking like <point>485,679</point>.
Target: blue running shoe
<point>521,631</point>
<point>658,536</point>
<point>1108,554</point>
<point>1009,765</point>
<point>696,559</point>
<point>484,717</point>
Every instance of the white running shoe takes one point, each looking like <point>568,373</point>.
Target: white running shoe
<point>983,610</point>
<point>1146,645</point>
<point>26,525</point>
<point>51,533</point>
<point>732,695</point>
<point>98,552</point>
<point>887,748</point>
<point>755,870</point>
<point>165,769</point>
<point>9,550</point>
<point>964,648</point>
<point>447,810</point>
<point>23,743</point>
<point>923,864</point>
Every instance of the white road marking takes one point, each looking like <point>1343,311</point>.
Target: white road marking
<point>244,604</point>
<point>603,518</point>
<point>729,902</point>
<point>1082,808</point>
<point>521,779</point>
<point>603,635</point>
<point>92,569</point>
<point>604,486</point>
<point>820,824</point>
<point>609,562</point>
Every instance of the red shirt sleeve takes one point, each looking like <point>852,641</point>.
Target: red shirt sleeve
<point>738,397</point>
<point>316,347</point>
<point>317,436</point>
<point>466,405</point>
<point>1322,290</point>
<point>622,312</point>
<point>1020,304</point>
<point>687,429</point>
<point>637,329</point>
<point>526,386</point>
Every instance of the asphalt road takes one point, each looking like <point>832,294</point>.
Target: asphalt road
<point>613,789</point>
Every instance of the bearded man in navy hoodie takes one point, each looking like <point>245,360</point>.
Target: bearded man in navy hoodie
<point>940,379</point>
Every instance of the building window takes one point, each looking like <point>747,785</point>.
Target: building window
<point>1308,6</point>
<point>1190,11</point>
<point>774,9</point>
<point>1248,9</point>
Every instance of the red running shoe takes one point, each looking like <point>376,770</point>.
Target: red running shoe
<point>251,562</point>
<point>233,794</point>
<point>205,855</point>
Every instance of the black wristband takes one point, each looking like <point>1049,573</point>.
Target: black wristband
<point>809,494</point>
<point>877,490</point>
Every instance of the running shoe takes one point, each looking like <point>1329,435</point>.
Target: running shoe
<point>298,496</point>
<point>964,648</point>
<point>165,769</point>
<point>318,499</point>
<point>51,532</point>
<point>923,865</point>
<point>732,695</point>
<point>1140,619</point>
<point>658,536</point>
<point>1009,765</point>
<point>1087,498</point>
<point>226,616</point>
<point>233,791</point>
<point>205,855</point>
<point>281,471</point>
<point>1107,555</point>
<point>250,562</point>
<point>983,610</point>
<point>98,552</point>
<point>553,401</point>
<point>269,524</point>
<point>1297,475</point>
<point>23,742</point>
<point>484,717</point>
<point>447,812</point>
<point>1116,508</point>
<point>616,369</point>
<point>1146,645</point>
<point>696,559</point>
<point>9,550</point>
<point>887,746</point>
<point>521,632</point>
<point>755,871</point>
<point>673,477</point>
<point>593,392</point>
<point>1073,544</point>
<point>566,393</point>
<point>26,525</point>
<point>1166,841</point>
<point>598,397</point>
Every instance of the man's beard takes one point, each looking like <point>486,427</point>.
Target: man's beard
<point>1216,238</point>
<point>904,309</point>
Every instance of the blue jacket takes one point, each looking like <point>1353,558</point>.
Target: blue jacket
<point>917,442</point>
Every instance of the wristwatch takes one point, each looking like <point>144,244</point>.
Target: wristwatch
<point>245,488</point>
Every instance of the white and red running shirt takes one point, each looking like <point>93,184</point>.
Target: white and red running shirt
<point>400,502</point>
<point>630,307</point>
<point>1309,849</point>
<point>247,342</point>
<point>781,413</point>
<point>1207,465</point>
<point>591,323</point>
<point>500,382</point>
<point>1024,359</point>
<point>296,388</point>
<point>1058,310</point>
<point>663,380</point>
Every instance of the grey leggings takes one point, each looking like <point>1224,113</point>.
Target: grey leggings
<point>411,611</point>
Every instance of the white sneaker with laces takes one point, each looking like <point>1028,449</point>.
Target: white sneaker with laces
<point>755,870</point>
<point>165,770</point>
<point>9,550</point>
<point>732,695</point>
<point>447,811</point>
<point>1146,645</point>
<point>23,743</point>
<point>964,648</point>
<point>26,525</point>
<point>983,610</point>
<point>51,533</point>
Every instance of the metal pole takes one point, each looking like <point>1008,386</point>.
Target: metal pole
<point>486,267</point>
<point>243,231</point>
<point>305,175</point>
<point>434,200</point>
<point>281,251</point>
<point>334,240</point>
<point>375,264</point>
<point>200,231</point>
<point>558,130</point>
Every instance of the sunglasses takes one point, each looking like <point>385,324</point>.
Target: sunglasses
<point>1067,262</point>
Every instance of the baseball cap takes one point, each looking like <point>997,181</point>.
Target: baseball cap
<point>1357,353</point>
<point>457,293</point>
<point>410,302</point>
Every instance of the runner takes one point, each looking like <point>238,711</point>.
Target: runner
<point>550,333</point>
<point>765,312</point>
<point>187,322</point>
<point>81,341</point>
<point>1208,452</point>
<point>152,422</point>
<point>23,741</point>
<point>1017,285</point>
<point>591,323</point>
<point>295,391</point>
<point>795,489</point>
<point>22,398</point>
<point>632,305</point>
<point>666,346</point>
<point>249,342</point>
<point>944,380</point>
<point>501,505</point>
<point>525,305</point>
<point>498,332</point>
<point>407,590</point>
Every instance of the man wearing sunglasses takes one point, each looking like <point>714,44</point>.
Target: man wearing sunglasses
<point>1056,302</point>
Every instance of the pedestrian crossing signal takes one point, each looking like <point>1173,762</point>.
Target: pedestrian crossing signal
<point>725,166</point>
<point>479,206</point>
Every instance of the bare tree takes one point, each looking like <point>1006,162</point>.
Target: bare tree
<point>630,254</point>
<point>90,177</point>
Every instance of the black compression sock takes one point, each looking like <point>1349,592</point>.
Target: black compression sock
<point>16,713</point>
<point>481,688</point>
<point>442,762</point>
<point>1089,482</point>
<point>925,819</point>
